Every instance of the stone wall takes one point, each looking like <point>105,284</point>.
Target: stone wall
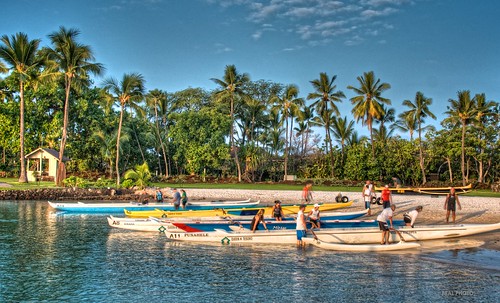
<point>55,194</point>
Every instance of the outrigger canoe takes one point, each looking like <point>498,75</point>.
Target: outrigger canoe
<point>220,212</point>
<point>335,235</point>
<point>110,208</point>
<point>361,247</point>
<point>428,190</point>
<point>188,225</point>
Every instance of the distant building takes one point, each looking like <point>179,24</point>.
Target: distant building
<point>42,164</point>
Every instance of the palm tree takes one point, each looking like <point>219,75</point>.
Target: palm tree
<point>419,110</point>
<point>75,62</point>
<point>140,174</point>
<point>405,123</point>
<point>305,117</point>
<point>289,104</point>
<point>107,143</point>
<point>484,110</point>
<point>154,100</point>
<point>19,53</point>
<point>368,102</point>
<point>326,97</point>
<point>387,116</point>
<point>129,91</point>
<point>342,131</point>
<point>231,88</point>
<point>462,111</point>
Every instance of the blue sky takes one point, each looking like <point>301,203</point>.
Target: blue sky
<point>435,46</point>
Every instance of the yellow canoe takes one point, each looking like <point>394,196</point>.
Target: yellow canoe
<point>219,212</point>
<point>428,190</point>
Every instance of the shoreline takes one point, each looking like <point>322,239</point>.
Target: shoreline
<point>475,210</point>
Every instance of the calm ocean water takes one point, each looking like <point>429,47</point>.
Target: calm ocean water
<point>77,258</point>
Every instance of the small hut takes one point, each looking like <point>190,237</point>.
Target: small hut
<point>42,164</point>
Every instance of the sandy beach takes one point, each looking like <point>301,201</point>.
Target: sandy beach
<point>474,209</point>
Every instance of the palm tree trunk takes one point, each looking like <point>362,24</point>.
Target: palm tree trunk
<point>448,160</point>
<point>463,153</point>
<point>286,148</point>
<point>421,154</point>
<point>23,176</point>
<point>118,148</point>
<point>233,148</point>
<point>61,169</point>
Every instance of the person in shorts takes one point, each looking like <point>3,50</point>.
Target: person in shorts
<point>301,225</point>
<point>386,215</point>
<point>411,216</point>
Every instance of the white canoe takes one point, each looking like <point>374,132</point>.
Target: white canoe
<point>335,235</point>
<point>361,247</point>
<point>147,225</point>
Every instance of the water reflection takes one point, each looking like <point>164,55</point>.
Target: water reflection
<point>80,258</point>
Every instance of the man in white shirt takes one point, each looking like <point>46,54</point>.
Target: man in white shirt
<point>386,215</point>
<point>411,216</point>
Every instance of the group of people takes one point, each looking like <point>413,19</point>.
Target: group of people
<point>301,223</point>
<point>178,198</point>
<point>450,205</point>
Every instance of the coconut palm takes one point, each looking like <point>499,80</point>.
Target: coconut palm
<point>19,54</point>
<point>419,110</point>
<point>140,174</point>
<point>484,111</point>
<point>230,89</point>
<point>369,100</point>
<point>326,96</point>
<point>129,91</point>
<point>405,123</point>
<point>305,117</point>
<point>154,100</point>
<point>342,131</point>
<point>289,105</point>
<point>107,143</point>
<point>463,112</point>
<point>75,62</point>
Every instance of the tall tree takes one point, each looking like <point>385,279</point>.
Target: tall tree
<point>20,55</point>
<point>75,62</point>
<point>419,110</point>
<point>289,104</point>
<point>129,91</point>
<point>342,131</point>
<point>326,96</point>
<point>154,100</point>
<point>405,123</point>
<point>369,100</point>
<point>485,109</point>
<point>230,88</point>
<point>463,112</point>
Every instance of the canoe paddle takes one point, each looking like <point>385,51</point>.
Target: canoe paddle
<point>400,235</point>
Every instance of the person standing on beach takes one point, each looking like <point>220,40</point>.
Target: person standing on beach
<point>386,215</point>
<point>450,204</point>
<point>159,196</point>
<point>411,216</point>
<point>307,193</point>
<point>367,197</point>
<point>184,199</point>
<point>386,197</point>
<point>176,199</point>
<point>301,225</point>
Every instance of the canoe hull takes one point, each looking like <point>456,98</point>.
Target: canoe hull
<point>223,211</point>
<point>336,235</point>
<point>362,247</point>
<point>115,208</point>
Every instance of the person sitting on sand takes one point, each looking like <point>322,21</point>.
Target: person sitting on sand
<point>450,204</point>
<point>258,218</point>
<point>411,216</point>
<point>386,215</point>
<point>278,211</point>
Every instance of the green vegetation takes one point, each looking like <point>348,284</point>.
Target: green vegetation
<point>243,131</point>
